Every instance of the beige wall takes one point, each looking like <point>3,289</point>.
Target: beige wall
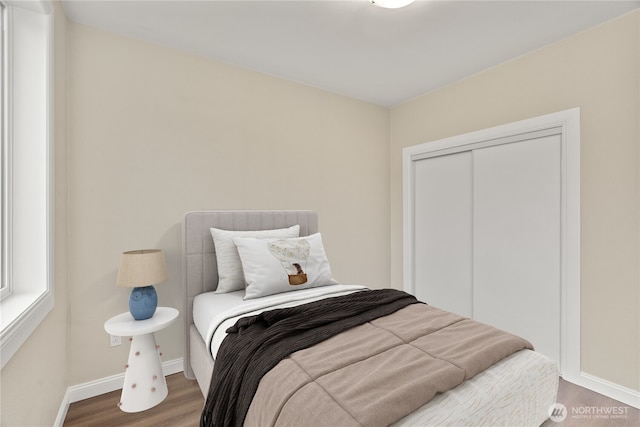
<point>599,72</point>
<point>156,133</point>
<point>34,381</point>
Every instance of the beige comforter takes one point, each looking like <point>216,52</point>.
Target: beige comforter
<point>379,372</point>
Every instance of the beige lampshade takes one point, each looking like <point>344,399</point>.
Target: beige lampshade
<point>141,268</point>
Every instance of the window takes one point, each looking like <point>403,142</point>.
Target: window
<point>26,171</point>
<point>5,283</point>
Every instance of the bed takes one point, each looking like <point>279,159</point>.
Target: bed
<point>517,390</point>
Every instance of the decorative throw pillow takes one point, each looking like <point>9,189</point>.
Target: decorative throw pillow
<point>230,276</point>
<point>273,266</point>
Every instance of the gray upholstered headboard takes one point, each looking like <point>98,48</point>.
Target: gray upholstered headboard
<point>199,265</point>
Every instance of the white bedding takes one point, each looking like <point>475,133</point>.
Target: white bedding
<point>213,315</point>
<point>516,391</point>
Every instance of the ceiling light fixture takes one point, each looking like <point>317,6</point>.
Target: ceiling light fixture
<point>392,4</point>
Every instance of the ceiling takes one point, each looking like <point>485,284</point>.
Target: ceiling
<point>382,56</point>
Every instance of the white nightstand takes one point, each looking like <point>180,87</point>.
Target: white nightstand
<point>144,383</point>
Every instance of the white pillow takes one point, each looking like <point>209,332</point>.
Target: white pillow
<point>230,276</point>
<point>273,266</point>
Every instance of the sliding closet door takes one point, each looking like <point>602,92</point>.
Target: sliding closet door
<point>517,241</point>
<point>442,232</point>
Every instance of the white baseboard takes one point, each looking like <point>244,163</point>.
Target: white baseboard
<point>62,412</point>
<point>115,382</point>
<point>614,391</point>
<point>105,385</point>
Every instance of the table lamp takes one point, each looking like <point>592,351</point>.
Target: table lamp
<point>141,270</point>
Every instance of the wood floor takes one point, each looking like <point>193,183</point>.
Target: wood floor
<point>183,405</point>
<point>586,408</point>
<point>181,408</point>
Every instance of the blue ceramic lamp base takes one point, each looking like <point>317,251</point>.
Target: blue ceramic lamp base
<point>143,302</point>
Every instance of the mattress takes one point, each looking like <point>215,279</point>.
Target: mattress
<point>518,390</point>
<point>214,313</point>
<point>209,304</point>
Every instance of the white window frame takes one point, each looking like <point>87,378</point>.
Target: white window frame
<point>5,243</point>
<point>28,185</point>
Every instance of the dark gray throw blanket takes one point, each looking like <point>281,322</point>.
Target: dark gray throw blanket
<point>256,344</point>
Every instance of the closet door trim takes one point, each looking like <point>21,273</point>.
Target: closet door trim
<point>567,124</point>
<point>557,130</point>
